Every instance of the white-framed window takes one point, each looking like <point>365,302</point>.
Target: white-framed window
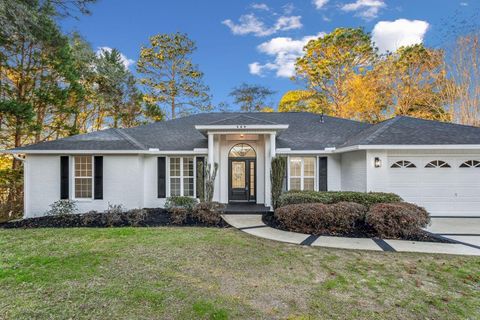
<point>83,177</point>
<point>182,176</point>
<point>437,164</point>
<point>302,173</point>
<point>403,164</point>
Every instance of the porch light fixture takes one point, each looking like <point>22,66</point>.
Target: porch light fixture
<point>377,162</point>
<point>241,136</point>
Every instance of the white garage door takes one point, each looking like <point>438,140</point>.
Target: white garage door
<point>444,185</point>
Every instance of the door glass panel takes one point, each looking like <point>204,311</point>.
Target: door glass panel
<point>252,178</point>
<point>238,174</point>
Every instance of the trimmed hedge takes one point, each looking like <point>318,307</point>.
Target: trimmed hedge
<point>319,218</point>
<point>329,197</point>
<point>393,220</point>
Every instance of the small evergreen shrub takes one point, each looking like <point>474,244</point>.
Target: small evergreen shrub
<point>62,207</point>
<point>366,199</point>
<point>319,218</point>
<point>397,220</point>
<point>180,202</point>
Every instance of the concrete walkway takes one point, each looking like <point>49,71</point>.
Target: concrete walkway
<point>464,230</point>
<point>253,224</point>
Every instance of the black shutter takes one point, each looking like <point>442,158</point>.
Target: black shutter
<point>161,171</point>
<point>199,186</point>
<point>98,177</point>
<point>64,177</point>
<point>322,174</point>
<point>285,177</point>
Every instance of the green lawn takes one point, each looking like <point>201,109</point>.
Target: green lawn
<point>185,273</point>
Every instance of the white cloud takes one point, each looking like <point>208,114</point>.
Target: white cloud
<point>285,51</point>
<point>249,23</point>
<point>390,35</point>
<point>126,61</point>
<point>464,4</point>
<point>319,4</point>
<point>260,6</point>
<point>366,9</point>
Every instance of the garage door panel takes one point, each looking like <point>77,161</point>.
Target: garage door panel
<point>442,191</point>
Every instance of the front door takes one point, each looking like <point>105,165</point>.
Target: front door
<point>241,180</point>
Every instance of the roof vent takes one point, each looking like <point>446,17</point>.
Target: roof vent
<point>321,118</point>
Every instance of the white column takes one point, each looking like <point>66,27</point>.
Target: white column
<point>268,160</point>
<point>272,145</point>
<point>210,149</point>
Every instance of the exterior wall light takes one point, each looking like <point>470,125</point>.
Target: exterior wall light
<point>377,162</point>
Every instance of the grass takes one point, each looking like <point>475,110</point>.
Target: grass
<point>202,273</point>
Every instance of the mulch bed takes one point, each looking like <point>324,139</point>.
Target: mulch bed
<point>151,217</point>
<point>363,232</point>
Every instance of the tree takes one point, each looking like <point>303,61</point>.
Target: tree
<point>303,100</point>
<point>418,82</point>
<point>169,77</point>
<point>369,96</point>
<point>251,97</point>
<point>464,69</point>
<point>329,61</point>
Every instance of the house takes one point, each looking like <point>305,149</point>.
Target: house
<point>432,164</point>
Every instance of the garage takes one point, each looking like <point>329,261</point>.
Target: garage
<point>445,185</point>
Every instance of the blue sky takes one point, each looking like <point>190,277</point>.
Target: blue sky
<point>257,41</point>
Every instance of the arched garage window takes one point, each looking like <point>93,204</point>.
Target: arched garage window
<point>437,164</point>
<point>470,164</point>
<point>403,164</point>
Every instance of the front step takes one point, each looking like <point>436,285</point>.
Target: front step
<point>246,208</point>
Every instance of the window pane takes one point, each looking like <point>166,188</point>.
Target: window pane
<point>295,166</point>
<point>252,179</point>
<point>83,188</point>
<point>241,150</point>
<point>309,167</point>
<point>188,187</point>
<point>308,184</point>
<point>83,166</point>
<point>175,187</point>
<point>188,167</point>
<point>294,183</point>
<point>175,167</point>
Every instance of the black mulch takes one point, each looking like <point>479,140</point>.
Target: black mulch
<point>362,232</point>
<point>147,218</point>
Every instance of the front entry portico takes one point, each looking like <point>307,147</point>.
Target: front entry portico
<point>243,152</point>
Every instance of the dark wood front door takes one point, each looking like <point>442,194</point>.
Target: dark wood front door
<point>241,180</point>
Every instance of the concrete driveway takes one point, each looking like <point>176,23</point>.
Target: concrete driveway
<point>464,229</point>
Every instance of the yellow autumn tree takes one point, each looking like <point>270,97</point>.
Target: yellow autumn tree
<point>303,100</point>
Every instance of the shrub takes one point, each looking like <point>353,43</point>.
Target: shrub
<point>277,174</point>
<point>178,215</point>
<point>62,207</point>
<point>319,218</point>
<point>366,199</point>
<point>394,220</point>
<point>115,208</point>
<point>208,212</point>
<point>180,202</point>
<point>135,217</point>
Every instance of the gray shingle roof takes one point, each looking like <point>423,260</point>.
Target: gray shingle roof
<point>404,130</point>
<point>306,131</point>
<point>109,139</point>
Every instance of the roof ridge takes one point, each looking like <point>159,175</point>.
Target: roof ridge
<point>386,125</point>
<point>129,138</point>
<point>238,116</point>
